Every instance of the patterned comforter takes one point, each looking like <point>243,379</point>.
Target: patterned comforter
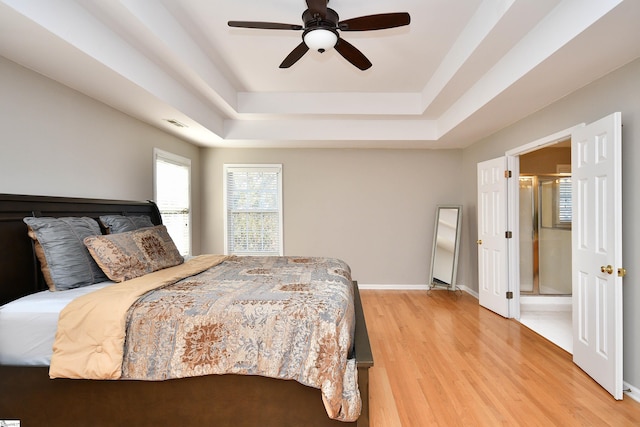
<point>282,317</point>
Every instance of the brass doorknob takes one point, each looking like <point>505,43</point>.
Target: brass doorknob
<point>608,269</point>
<point>479,242</point>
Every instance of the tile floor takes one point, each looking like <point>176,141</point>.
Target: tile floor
<point>552,321</point>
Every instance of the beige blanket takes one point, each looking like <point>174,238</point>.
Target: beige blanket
<point>91,329</point>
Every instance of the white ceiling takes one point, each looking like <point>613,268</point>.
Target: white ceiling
<point>461,70</point>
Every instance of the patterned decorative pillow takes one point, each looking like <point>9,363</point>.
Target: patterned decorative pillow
<point>64,259</point>
<point>120,223</point>
<point>128,255</point>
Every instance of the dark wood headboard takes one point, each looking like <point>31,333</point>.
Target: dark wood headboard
<point>19,270</point>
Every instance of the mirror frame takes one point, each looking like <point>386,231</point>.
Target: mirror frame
<point>433,282</point>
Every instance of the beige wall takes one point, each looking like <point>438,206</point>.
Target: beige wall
<point>58,142</point>
<point>545,160</point>
<point>375,209</point>
<point>618,91</point>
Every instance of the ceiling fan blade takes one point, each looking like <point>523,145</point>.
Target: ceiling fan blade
<point>317,6</point>
<point>264,25</point>
<point>295,55</point>
<point>375,22</point>
<point>352,54</point>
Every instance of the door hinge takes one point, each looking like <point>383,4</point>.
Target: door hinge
<point>509,295</point>
<point>507,174</point>
<point>508,234</point>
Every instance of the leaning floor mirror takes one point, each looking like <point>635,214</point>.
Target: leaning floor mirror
<point>446,245</point>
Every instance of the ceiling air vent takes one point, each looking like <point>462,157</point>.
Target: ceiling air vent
<point>176,123</point>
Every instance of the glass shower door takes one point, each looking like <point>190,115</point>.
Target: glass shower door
<point>545,235</point>
<point>554,235</point>
<point>526,234</point>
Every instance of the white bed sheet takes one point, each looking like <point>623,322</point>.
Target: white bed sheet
<point>28,325</point>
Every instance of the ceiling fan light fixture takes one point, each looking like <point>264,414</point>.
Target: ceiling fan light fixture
<point>320,31</point>
<point>320,39</point>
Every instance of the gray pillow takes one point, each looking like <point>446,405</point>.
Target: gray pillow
<point>66,263</point>
<point>120,223</point>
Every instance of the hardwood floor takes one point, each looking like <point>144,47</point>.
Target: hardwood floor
<point>442,360</point>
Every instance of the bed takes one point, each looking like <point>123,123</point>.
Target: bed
<point>28,394</point>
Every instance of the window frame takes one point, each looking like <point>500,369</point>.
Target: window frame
<point>253,167</point>
<point>159,154</point>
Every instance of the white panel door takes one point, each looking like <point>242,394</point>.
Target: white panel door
<point>492,244</point>
<point>597,251</point>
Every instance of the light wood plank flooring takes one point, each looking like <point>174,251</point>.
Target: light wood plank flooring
<point>442,360</point>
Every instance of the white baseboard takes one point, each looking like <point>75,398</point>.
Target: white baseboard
<point>469,291</point>
<point>634,392</point>
<point>407,287</point>
<point>393,287</point>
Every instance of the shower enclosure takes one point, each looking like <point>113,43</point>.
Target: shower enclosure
<point>545,234</point>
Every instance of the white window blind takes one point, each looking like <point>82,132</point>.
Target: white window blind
<point>564,200</point>
<point>172,195</point>
<point>253,209</point>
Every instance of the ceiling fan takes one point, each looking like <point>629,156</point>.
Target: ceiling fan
<point>320,31</point>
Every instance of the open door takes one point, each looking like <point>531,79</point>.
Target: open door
<point>597,251</point>
<point>492,241</point>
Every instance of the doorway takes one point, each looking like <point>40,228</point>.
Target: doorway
<point>545,242</point>
<point>596,168</point>
<point>540,265</point>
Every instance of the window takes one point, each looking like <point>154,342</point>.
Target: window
<point>253,209</point>
<point>555,201</point>
<point>564,194</point>
<point>172,178</point>
<point>564,201</point>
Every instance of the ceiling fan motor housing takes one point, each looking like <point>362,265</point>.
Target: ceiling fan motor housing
<point>313,22</point>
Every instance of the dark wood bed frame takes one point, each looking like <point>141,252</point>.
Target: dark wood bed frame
<point>27,394</point>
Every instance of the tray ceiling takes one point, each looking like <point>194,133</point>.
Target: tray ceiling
<point>460,71</point>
